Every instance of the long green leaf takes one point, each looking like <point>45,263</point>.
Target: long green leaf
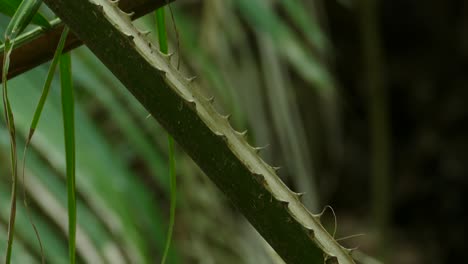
<point>69,130</point>
<point>10,123</point>
<point>48,82</point>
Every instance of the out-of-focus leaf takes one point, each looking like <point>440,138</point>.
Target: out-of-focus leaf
<point>263,19</point>
<point>307,24</point>
<point>287,125</point>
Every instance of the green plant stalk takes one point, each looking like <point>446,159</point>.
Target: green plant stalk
<point>207,137</point>
<point>163,47</point>
<point>22,17</point>
<point>10,123</point>
<point>69,130</point>
<point>379,122</point>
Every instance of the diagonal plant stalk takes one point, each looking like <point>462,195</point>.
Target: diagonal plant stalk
<point>46,87</point>
<point>222,153</point>
<point>378,108</point>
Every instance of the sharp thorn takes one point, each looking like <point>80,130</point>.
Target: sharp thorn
<point>258,149</point>
<point>144,33</point>
<point>191,79</point>
<point>211,99</point>
<point>349,237</point>
<point>242,134</point>
<point>351,250</point>
<point>299,196</point>
<point>227,117</point>
<point>128,15</point>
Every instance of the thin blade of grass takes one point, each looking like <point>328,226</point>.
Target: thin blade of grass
<point>46,88</point>
<point>163,47</point>
<point>22,17</point>
<point>13,156</point>
<point>69,131</point>
<point>36,117</point>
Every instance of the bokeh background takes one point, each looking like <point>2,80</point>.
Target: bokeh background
<point>362,104</point>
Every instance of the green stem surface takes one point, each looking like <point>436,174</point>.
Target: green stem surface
<point>207,137</point>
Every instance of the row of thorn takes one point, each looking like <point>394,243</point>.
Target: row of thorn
<point>328,259</point>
